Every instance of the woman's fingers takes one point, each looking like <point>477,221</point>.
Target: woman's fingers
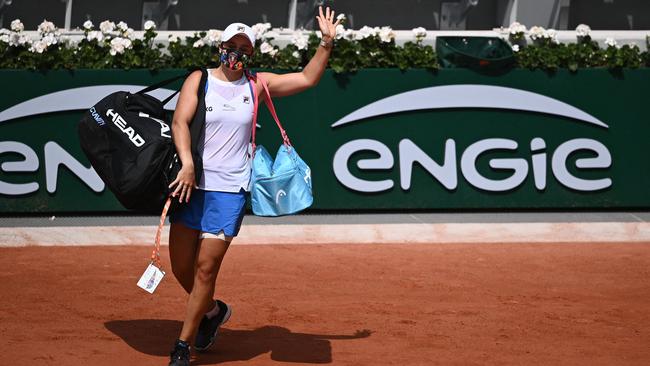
<point>189,193</point>
<point>178,189</point>
<point>181,197</point>
<point>320,12</point>
<point>321,24</point>
<point>173,183</point>
<point>327,13</point>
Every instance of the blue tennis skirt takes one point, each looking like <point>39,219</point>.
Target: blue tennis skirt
<point>213,212</point>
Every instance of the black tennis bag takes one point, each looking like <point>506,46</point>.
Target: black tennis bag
<point>127,138</point>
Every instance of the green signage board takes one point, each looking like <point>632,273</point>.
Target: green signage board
<point>377,139</point>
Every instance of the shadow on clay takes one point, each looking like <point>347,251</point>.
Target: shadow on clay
<point>155,337</point>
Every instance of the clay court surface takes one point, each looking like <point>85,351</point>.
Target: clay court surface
<point>478,304</point>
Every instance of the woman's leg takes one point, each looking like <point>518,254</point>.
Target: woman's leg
<point>183,242</point>
<point>208,262</point>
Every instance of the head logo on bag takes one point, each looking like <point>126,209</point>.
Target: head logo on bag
<point>164,127</point>
<point>135,138</point>
<point>281,193</point>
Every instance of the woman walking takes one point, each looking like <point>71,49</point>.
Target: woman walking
<point>204,227</point>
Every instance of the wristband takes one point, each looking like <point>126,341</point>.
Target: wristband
<point>325,44</point>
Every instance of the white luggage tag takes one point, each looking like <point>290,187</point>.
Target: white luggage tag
<point>154,274</point>
<point>151,278</point>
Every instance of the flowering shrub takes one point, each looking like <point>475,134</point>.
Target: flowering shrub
<point>548,54</point>
<point>113,45</point>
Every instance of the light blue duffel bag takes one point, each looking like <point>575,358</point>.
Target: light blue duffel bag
<point>281,186</point>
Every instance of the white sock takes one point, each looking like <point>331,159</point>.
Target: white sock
<point>214,311</point>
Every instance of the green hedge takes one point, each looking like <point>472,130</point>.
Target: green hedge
<point>114,46</point>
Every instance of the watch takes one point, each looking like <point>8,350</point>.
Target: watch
<point>326,44</point>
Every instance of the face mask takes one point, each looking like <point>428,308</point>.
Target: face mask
<point>233,59</point>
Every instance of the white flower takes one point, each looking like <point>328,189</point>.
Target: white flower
<point>50,39</point>
<point>122,26</point>
<point>611,42</point>
<point>516,28</point>
<point>267,48</point>
<point>300,40</point>
<point>340,31</point>
<point>419,32</point>
<point>366,32</point>
<point>515,48</point>
<point>386,34</point>
<point>17,25</point>
<point>550,34</point>
<point>88,25</point>
<point>149,24</point>
<point>119,45</point>
<point>583,30</point>
<point>198,44</point>
<point>97,35</point>
<point>296,54</point>
<point>129,33</point>
<point>173,38</point>
<point>349,34</point>
<point>38,47</point>
<point>260,29</point>
<point>18,39</point>
<point>107,26</point>
<point>341,17</point>
<point>536,32</point>
<point>213,37</point>
<point>46,27</point>
<point>4,38</point>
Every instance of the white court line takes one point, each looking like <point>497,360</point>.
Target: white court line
<point>448,233</point>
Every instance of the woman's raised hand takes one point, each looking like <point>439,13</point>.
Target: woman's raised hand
<point>327,23</point>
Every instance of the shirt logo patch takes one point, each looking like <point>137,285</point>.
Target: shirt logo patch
<point>247,100</point>
<point>228,108</point>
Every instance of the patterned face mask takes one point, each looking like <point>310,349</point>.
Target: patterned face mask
<point>233,59</point>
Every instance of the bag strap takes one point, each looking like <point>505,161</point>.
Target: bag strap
<point>155,254</point>
<point>251,84</point>
<point>269,104</point>
<point>160,84</point>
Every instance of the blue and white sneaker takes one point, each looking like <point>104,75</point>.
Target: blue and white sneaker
<point>209,327</point>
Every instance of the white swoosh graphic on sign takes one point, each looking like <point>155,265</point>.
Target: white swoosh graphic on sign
<point>77,98</point>
<point>469,96</point>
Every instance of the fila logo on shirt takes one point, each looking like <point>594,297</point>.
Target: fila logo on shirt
<point>247,99</point>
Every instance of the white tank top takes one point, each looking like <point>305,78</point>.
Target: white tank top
<point>228,121</point>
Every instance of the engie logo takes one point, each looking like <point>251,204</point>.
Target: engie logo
<point>446,172</point>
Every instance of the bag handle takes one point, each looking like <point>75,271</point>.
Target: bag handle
<point>269,104</point>
<point>160,84</point>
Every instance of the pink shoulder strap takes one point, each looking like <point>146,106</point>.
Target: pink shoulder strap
<point>269,104</point>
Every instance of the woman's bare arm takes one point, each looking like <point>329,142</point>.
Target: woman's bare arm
<point>185,109</point>
<point>287,84</point>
